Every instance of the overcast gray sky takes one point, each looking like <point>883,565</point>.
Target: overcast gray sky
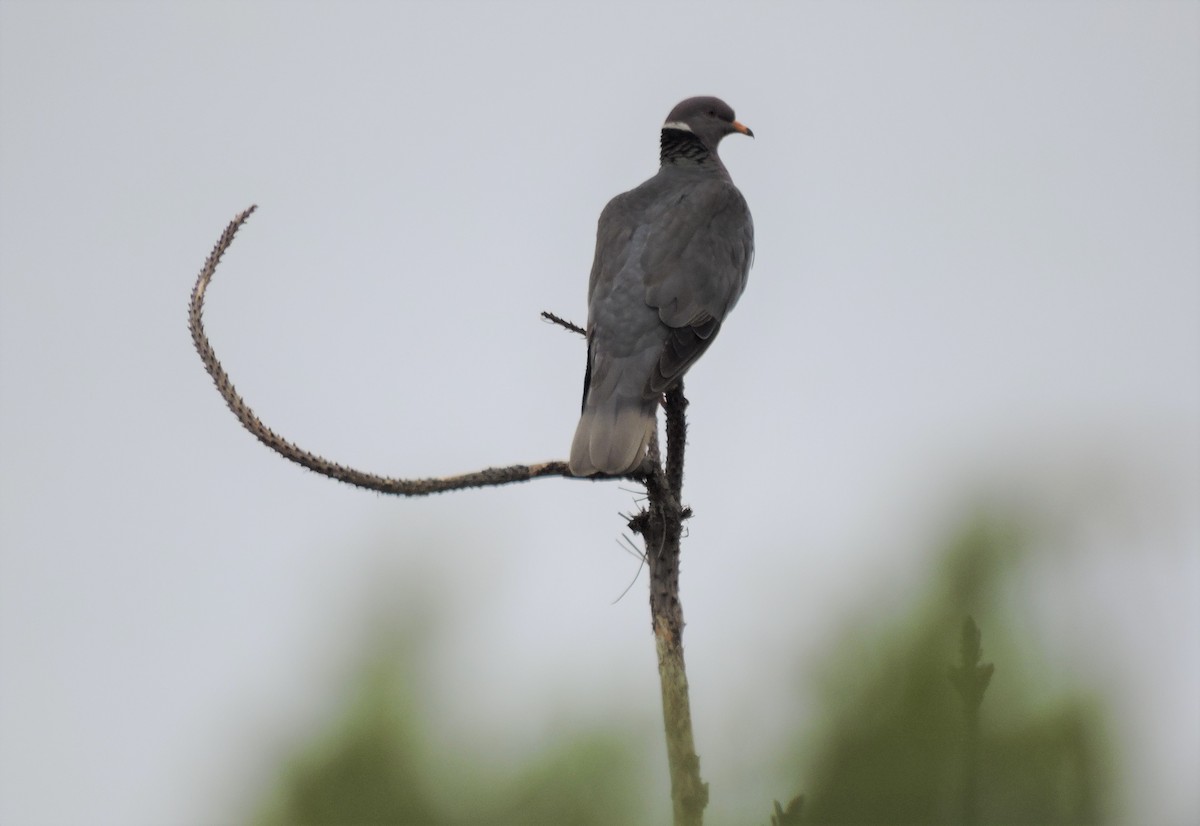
<point>977,271</point>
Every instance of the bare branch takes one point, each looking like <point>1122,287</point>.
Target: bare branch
<point>294,453</point>
<point>661,527</point>
<point>562,322</point>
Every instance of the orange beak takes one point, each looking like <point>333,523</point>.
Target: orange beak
<point>743,128</point>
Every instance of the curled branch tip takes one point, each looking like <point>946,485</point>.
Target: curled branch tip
<point>292,452</point>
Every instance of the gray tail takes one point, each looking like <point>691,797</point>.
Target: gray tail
<point>612,436</point>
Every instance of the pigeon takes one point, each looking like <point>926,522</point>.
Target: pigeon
<point>672,258</point>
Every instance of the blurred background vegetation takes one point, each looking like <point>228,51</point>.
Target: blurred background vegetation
<point>889,742</point>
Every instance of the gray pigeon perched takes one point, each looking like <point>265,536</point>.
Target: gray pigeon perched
<point>672,258</point>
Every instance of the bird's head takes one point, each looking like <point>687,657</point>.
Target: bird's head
<point>708,118</point>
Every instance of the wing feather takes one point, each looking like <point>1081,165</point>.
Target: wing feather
<point>696,261</point>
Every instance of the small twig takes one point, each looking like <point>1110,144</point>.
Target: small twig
<point>562,322</point>
<point>640,556</point>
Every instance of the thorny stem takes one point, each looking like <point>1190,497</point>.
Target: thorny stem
<point>661,527</point>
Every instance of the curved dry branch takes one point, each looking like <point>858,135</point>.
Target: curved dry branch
<point>659,523</point>
<point>294,453</point>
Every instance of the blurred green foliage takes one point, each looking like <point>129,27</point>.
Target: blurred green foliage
<point>892,743</point>
<point>898,744</point>
<point>375,768</point>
